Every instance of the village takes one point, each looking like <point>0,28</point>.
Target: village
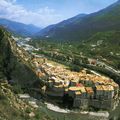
<point>85,89</point>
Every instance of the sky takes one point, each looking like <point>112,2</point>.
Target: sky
<point>46,12</point>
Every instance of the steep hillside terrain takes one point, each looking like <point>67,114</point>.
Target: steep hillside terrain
<point>19,28</point>
<point>82,28</point>
<point>14,61</point>
<point>16,68</point>
<point>11,107</point>
<point>61,26</point>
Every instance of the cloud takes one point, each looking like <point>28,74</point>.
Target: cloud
<point>41,17</point>
<point>13,1</point>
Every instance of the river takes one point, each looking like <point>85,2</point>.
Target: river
<point>58,113</point>
<point>64,114</point>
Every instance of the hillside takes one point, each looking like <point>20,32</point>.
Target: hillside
<point>11,107</point>
<point>82,28</point>
<point>62,25</point>
<point>102,45</point>
<point>19,28</point>
<point>14,61</point>
<point>16,77</point>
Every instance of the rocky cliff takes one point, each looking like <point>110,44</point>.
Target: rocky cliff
<point>15,63</point>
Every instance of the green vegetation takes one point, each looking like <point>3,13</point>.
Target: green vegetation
<point>80,28</point>
<point>13,108</point>
<point>103,46</point>
<point>13,66</point>
<point>100,41</point>
<point>15,70</point>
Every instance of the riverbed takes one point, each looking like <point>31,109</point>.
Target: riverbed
<point>70,115</point>
<point>65,114</point>
<point>54,111</point>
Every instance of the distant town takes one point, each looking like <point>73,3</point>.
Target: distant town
<point>84,89</point>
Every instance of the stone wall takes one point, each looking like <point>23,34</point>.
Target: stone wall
<point>94,103</point>
<point>81,103</point>
<point>102,104</point>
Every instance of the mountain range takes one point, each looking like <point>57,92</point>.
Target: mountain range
<point>19,28</point>
<point>101,30</point>
<point>84,26</point>
<point>78,28</point>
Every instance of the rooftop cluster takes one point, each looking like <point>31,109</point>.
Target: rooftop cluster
<point>77,85</point>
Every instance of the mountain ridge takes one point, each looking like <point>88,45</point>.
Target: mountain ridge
<point>14,60</point>
<point>103,20</point>
<point>19,28</point>
<point>68,21</point>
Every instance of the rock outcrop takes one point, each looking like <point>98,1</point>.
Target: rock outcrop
<point>15,63</point>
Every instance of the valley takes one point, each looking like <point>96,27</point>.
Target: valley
<point>40,68</point>
<point>69,70</point>
<point>42,61</point>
